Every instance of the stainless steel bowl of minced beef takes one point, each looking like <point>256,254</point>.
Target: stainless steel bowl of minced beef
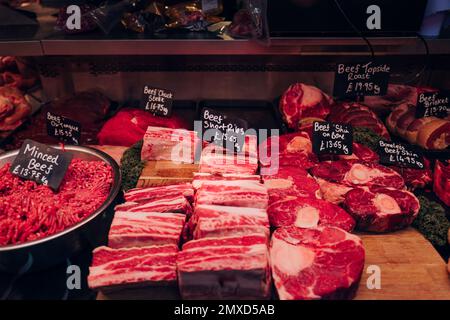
<point>40,228</point>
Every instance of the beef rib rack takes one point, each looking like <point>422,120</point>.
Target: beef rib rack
<point>308,213</point>
<point>381,209</point>
<point>357,173</point>
<point>323,263</point>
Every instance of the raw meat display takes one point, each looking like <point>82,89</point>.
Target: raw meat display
<point>356,173</point>
<point>174,204</point>
<point>225,268</point>
<point>396,95</point>
<point>360,152</point>
<point>308,213</point>
<point>358,115</point>
<point>218,160</point>
<point>138,229</point>
<point>429,132</point>
<point>200,177</point>
<point>333,192</point>
<point>88,108</point>
<point>237,193</point>
<point>323,263</point>
<point>129,125</point>
<point>222,221</point>
<point>441,185</point>
<point>14,108</point>
<point>29,211</point>
<point>301,104</point>
<point>381,209</point>
<point>113,269</point>
<point>416,178</point>
<point>291,181</point>
<point>177,145</point>
<point>294,149</point>
<point>154,193</point>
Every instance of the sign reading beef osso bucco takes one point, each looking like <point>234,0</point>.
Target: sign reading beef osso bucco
<point>361,79</point>
<point>157,101</point>
<point>332,138</point>
<point>225,131</point>
<point>63,129</point>
<point>399,154</point>
<point>41,163</point>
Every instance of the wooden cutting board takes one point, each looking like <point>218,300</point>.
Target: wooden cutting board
<point>410,268</point>
<point>161,173</point>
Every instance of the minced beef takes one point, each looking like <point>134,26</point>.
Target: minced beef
<point>29,211</point>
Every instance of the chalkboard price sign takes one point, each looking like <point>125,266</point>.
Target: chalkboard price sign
<point>158,101</point>
<point>399,154</point>
<point>63,129</point>
<point>332,138</point>
<point>41,163</point>
<point>361,79</point>
<point>223,130</point>
<point>433,104</point>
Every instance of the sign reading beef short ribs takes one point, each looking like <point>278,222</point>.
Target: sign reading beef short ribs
<point>433,104</point>
<point>41,163</point>
<point>399,154</point>
<point>157,101</point>
<point>361,79</point>
<point>63,129</point>
<point>332,138</point>
<point>224,130</point>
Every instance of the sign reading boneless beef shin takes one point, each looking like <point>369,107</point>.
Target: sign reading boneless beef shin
<point>332,138</point>
<point>399,154</point>
<point>157,101</point>
<point>41,163</point>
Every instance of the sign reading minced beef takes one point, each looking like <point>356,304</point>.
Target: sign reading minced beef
<point>41,163</point>
<point>30,211</point>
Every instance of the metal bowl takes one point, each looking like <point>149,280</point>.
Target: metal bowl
<point>57,248</point>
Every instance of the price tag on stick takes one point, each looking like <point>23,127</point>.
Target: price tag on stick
<point>399,154</point>
<point>361,79</point>
<point>41,163</point>
<point>332,138</point>
<point>433,104</point>
<point>158,101</point>
<point>63,129</point>
<point>224,130</point>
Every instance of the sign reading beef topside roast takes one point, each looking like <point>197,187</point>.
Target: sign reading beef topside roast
<point>361,79</point>
<point>41,163</point>
<point>63,129</point>
<point>225,131</point>
<point>433,104</point>
<point>157,101</point>
<point>332,138</point>
<point>399,154</point>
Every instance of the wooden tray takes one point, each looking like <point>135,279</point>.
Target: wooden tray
<point>161,173</point>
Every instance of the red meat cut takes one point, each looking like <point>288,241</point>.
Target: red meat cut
<point>441,185</point>
<point>323,263</point>
<point>174,204</point>
<point>357,173</point>
<point>380,209</point>
<point>301,104</point>
<point>308,213</point>
<point>225,268</point>
<point>154,193</point>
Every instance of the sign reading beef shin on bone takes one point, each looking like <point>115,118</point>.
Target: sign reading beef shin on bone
<point>332,138</point>
<point>41,163</point>
<point>399,154</point>
<point>361,79</point>
<point>157,101</point>
<point>63,129</point>
<point>433,104</point>
<point>219,128</point>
